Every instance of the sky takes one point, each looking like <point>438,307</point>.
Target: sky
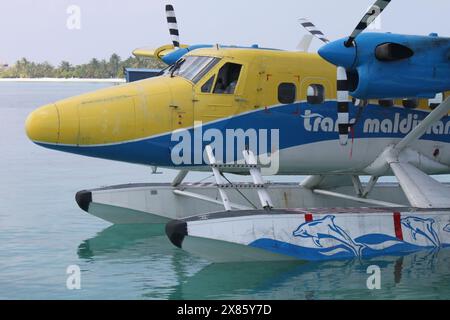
<point>38,30</point>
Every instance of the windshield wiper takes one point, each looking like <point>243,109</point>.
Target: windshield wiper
<point>176,66</point>
<point>164,71</point>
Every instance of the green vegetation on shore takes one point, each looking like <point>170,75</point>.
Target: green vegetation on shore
<point>95,69</point>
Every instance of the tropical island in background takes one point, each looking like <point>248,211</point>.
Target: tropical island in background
<point>113,68</point>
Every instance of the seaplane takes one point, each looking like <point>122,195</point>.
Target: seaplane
<point>371,104</point>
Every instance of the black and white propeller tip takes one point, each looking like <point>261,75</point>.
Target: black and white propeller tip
<point>173,25</point>
<point>374,12</point>
<point>311,28</point>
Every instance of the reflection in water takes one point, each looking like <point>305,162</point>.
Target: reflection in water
<point>138,257</point>
<point>398,268</point>
<point>171,273</point>
<point>404,277</point>
<point>118,237</point>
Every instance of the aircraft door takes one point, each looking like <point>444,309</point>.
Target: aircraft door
<point>276,86</point>
<point>217,95</point>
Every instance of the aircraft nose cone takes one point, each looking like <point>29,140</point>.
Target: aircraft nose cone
<point>42,125</point>
<point>338,54</point>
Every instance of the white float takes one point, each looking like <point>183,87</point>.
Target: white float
<point>314,234</point>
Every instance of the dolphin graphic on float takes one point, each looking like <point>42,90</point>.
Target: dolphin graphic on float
<point>422,227</point>
<point>326,228</point>
<point>447,228</point>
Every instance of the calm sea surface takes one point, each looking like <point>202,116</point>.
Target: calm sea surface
<point>42,232</point>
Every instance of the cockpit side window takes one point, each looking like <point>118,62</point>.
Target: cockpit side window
<point>205,70</point>
<point>228,78</point>
<point>206,88</point>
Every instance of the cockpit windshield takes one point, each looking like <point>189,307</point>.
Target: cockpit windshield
<point>192,68</point>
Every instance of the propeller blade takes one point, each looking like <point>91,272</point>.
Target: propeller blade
<point>305,43</point>
<point>343,105</point>
<point>173,25</point>
<point>368,18</point>
<point>343,96</point>
<point>311,28</point>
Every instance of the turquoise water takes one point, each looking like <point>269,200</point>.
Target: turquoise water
<point>42,232</point>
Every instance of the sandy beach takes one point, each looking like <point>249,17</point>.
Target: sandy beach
<point>62,80</point>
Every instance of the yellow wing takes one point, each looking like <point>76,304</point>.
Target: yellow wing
<point>155,53</point>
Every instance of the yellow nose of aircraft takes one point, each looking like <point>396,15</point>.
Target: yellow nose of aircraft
<point>42,125</point>
<point>100,123</point>
<point>131,123</point>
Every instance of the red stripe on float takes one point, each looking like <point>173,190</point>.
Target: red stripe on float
<point>308,217</point>
<point>398,225</point>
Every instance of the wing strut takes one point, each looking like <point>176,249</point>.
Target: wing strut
<point>441,111</point>
<point>421,190</point>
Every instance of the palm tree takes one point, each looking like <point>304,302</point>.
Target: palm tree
<point>114,65</point>
<point>65,70</point>
<point>92,68</point>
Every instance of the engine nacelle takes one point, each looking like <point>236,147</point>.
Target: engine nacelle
<point>388,66</point>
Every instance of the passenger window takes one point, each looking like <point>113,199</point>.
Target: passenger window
<point>228,78</point>
<point>360,103</point>
<point>411,103</point>
<point>315,94</point>
<point>206,88</point>
<point>436,101</point>
<point>287,92</point>
<point>386,103</point>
